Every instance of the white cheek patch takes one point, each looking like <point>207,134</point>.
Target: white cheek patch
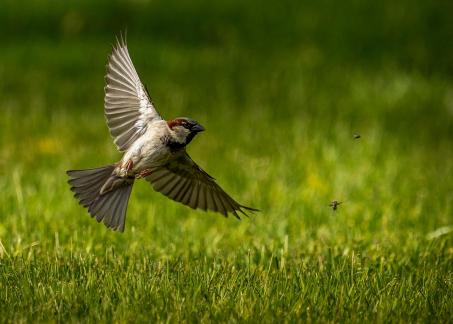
<point>181,133</point>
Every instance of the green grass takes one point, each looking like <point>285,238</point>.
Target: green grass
<point>280,106</point>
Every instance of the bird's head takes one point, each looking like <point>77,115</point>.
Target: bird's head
<point>184,129</point>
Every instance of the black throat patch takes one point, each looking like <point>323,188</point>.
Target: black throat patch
<point>172,144</point>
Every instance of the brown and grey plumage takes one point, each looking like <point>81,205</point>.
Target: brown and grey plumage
<point>154,149</point>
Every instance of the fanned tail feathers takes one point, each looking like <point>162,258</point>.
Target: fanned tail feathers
<point>109,206</point>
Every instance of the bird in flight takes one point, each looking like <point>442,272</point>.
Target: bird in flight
<point>153,149</point>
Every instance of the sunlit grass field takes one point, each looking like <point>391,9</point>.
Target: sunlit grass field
<point>281,106</point>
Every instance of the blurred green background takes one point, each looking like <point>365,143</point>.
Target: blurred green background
<point>281,88</point>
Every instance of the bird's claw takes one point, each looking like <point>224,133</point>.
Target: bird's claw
<point>143,174</point>
<point>126,168</point>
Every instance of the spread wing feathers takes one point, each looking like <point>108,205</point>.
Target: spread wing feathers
<point>184,181</point>
<point>128,107</point>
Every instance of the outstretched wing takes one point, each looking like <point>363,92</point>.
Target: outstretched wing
<point>184,181</point>
<point>128,108</point>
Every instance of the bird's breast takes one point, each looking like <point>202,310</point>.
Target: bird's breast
<point>147,151</point>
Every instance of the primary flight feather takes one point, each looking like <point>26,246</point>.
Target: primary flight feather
<point>153,149</point>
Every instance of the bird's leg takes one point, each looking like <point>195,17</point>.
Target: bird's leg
<point>143,174</point>
<point>126,168</point>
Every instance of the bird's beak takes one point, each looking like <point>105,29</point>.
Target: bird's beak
<point>197,128</point>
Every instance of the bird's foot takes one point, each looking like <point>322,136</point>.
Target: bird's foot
<point>125,169</point>
<point>143,174</point>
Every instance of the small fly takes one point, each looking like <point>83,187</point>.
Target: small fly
<point>356,136</point>
<point>334,204</point>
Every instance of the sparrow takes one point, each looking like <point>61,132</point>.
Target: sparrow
<point>153,149</point>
